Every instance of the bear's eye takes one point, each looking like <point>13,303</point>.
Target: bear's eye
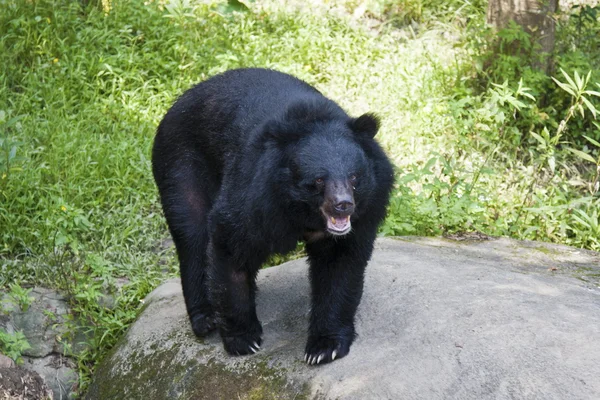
<point>319,181</point>
<point>353,178</point>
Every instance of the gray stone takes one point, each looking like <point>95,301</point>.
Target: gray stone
<point>107,301</point>
<point>43,325</point>
<point>166,244</point>
<point>42,322</point>
<point>57,371</point>
<point>38,331</point>
<point>491,319</point>
<point>6,362</point>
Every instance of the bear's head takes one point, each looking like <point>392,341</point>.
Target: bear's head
<point>327,163</point>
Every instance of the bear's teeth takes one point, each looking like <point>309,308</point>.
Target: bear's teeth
<point>333,220</point>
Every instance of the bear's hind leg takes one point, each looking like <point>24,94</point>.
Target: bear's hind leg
<point>186,205</point>
<point>233,293</point>
<point>192,259</point>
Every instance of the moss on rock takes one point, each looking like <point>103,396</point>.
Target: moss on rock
<point>161,374</point>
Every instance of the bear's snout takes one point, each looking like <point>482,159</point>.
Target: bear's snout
<point>339,198</point>
<point>338,207</point>
<point>344,206</point>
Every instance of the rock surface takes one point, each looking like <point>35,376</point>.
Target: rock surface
<point>496,319</point>
<point>43,324</point>
<point>58,373</point>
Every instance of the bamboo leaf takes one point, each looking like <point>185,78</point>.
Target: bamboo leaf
<point>539,138</point>
<point>552,163</point>
<point>564,87</point>
<point>516,103</point>
<point>578,81</point>
<point>582,155</point>
<point>528,95</point>
<point>587,78</point>
<point>568,78</point>
<point>590,106</point>
<point>592,141</point>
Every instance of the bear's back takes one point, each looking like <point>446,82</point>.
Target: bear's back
<point>215,117</point>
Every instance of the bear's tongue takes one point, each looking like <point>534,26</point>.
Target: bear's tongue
<point>338,224</point>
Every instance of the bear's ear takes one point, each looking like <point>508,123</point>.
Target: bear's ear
<point>366,125</point>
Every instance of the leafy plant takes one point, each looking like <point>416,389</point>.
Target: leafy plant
<point>180,11</point>
<point>577,88</point>
<point>13,345</point>
<point>21,296</point>
<point>594,184</point>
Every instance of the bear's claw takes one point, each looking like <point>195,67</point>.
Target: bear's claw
<point>241,345</point>
<point>322,350</point>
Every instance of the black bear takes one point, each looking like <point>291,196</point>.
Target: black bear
<point>247,164</point>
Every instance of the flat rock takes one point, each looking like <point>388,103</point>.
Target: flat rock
<point>439,319</point>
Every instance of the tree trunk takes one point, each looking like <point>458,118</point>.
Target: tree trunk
<point>535,16</point>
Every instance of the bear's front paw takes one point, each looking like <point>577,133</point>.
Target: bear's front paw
<point>240,345</point>
<point>325,349</point>
<point>203,324</point>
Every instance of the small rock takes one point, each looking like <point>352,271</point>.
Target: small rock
<point>44,327</point>
<point>107,301</point>
<point>163,245</point>
<point>42,323</point>
<point>6,362</point>
<point>57,371</point>
<point>120,282</point>
<point>19,383</point>
<point>38,331</point>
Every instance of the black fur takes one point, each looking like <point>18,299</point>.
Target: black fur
<point>247,164</point>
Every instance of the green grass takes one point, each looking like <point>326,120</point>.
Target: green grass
<point>88,86</point>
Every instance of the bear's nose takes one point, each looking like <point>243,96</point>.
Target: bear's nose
<point>344,206</point>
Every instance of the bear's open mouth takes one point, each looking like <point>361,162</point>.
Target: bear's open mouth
<point>338,226</point>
